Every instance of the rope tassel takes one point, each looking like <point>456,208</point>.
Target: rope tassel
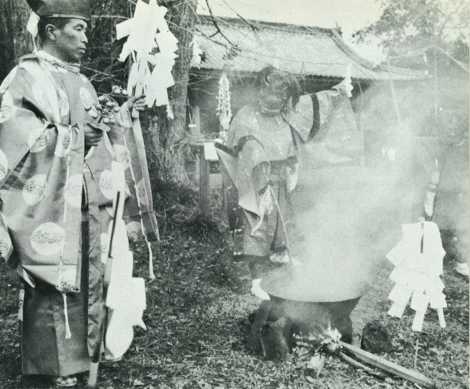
<point>151,272</point>
<point>68,333</point>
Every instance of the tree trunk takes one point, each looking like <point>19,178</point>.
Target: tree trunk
<point>14,39</point>
<point>169,137</point>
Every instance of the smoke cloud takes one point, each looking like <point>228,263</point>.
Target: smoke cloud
<point>349,209</point>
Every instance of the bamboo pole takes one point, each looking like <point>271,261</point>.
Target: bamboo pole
<point>435,86</point>
<point>361,124</point>
<point>468,167</point>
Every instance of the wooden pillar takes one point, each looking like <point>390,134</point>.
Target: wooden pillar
<point>203,182</point>
<point>195,125</point>
<point>208,154</point>
<point>197,138</point>
<point>360,122</point>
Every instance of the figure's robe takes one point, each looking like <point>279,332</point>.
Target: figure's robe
<point>56,206</point>
<point>265,150</point>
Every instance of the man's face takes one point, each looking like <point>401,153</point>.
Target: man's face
<point>273,96</point>
<point>71,41</point>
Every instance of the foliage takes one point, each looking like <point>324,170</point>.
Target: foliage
<point>101,63</point>
<point>407,25</point>
<point>14,41</point>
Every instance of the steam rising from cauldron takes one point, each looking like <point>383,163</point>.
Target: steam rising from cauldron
<point>349,216</point>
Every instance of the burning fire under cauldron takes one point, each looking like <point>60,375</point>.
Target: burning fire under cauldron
<point>295,308</point>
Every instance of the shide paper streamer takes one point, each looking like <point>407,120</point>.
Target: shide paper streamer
<point>224,107</point>
<point>152,48</point>
<point>418,267</point>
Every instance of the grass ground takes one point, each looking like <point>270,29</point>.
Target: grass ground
<point>197,325</point>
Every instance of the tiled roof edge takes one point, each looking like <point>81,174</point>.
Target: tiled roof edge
<point>298,28</point>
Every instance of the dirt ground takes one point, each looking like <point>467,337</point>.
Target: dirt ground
<point>197,326</point>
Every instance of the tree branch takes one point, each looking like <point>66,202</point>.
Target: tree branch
<point>216,25</point>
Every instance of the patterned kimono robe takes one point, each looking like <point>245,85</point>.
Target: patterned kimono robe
<point>57,199</point>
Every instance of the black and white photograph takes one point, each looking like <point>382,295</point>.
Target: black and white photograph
<point>212,194</point>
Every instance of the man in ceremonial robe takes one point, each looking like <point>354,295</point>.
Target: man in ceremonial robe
<point>266,138</point>
<point>56,152</point>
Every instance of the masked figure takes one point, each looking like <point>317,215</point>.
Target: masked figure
<point>265,138</point>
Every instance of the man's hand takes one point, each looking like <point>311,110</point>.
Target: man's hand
<point>345,87</point>
<point>135,103</point>
<point>93,134</point>
<point>99,117</point>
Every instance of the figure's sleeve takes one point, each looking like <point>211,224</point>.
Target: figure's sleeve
<point>312,112</point>
<point>22,122</point>
<point>251,174</point>
<point>325,103</point>
<point>23,128</point>
<point>122,125</point>
<point>139,207</point>
<point>335,138</point>
<point>301,117</point>
<point>123,143</point>
<point>261,177</point>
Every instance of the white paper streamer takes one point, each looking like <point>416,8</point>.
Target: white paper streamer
<point>32,25</point>
<point>197,54</point>
<point>418,267</point>
<point>152,47</point>
<point>224,106</point>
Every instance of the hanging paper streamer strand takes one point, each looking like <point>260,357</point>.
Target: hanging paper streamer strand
<point>197,54</point>
<point>224,106</point>
<point>33,27</point>
<point>152,48</point>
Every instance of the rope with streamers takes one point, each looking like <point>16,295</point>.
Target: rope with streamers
<point>224,108</point>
